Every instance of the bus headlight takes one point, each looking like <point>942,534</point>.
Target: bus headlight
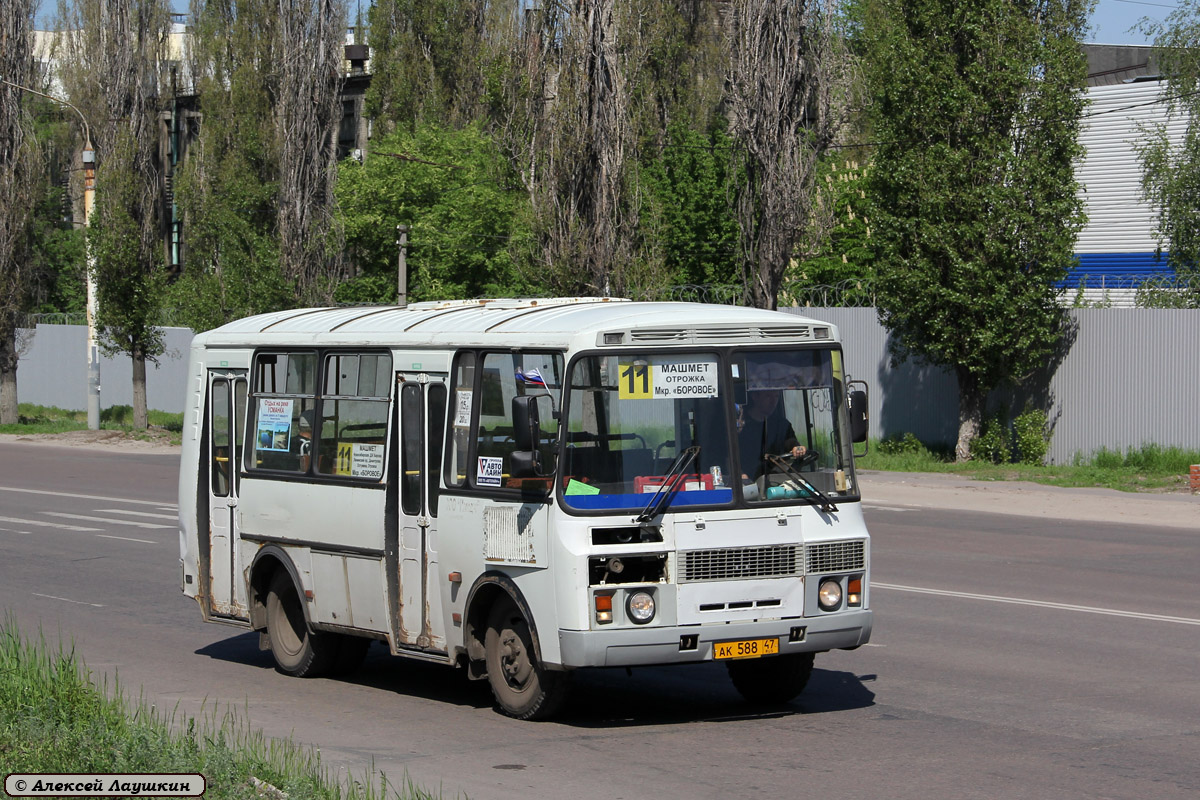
<point>639,607</point>
<point>829,595</point>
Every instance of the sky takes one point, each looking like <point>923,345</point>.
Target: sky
<point>1111,19</point>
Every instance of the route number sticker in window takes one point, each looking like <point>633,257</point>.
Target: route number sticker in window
<point>641,380</point>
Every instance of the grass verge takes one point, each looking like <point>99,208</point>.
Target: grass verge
<point>35,419</point>
<point>54,719</point>
<point>1145,468</point>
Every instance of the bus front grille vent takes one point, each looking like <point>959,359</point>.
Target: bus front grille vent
<point>721,333</point>
<point>660,335</point>
<point>827,557</point>
<point>779,561</point>
<point>788,332</point>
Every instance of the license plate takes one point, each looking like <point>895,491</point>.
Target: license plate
<point>746,648</point>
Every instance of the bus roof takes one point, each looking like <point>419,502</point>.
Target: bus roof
<point>547,322</point>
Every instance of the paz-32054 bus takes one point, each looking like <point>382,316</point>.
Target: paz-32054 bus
<point>526,487</point>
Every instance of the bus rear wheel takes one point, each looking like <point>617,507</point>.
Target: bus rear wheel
<point>297,650</point>
<point>771,681</point>
<point>523,688</point>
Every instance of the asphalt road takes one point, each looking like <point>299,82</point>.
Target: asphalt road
<point>1013,657</point>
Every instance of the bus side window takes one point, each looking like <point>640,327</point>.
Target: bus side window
<point>354,414</point>
<point>505,376</point>
<point>284,402</point>
<point>410,449</point>
<point>464,404</point>
<point>437,430</point>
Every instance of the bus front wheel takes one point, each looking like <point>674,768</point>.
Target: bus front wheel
<point>297,650</point>
<point>523,688</point>
<point>771,681</point>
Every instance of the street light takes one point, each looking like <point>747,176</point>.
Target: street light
<point>88,157</point>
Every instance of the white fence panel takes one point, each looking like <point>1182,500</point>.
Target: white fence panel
<point>1131,377</point>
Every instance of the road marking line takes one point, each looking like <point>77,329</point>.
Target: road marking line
<point>105,498</point>
<point>86,518</point>
<point>14,530</point>
<point>125,538</point>
<point>68,600</point>
<point>43,524</point>
<point>172,517</point>
<point>1020,601</point>
<point>877,507</point>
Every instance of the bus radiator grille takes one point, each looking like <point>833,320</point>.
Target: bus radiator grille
<point>779,561</point>
<point>829,557</point>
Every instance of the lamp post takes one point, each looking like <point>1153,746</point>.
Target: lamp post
<point>88,157</point>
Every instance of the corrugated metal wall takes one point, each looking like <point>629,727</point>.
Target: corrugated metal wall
<point>1119,238</point>
<point>1131,377</point>
<point>53,370</point>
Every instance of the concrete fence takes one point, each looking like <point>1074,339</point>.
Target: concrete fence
<point>52,370</point>
<point>1129,377</point>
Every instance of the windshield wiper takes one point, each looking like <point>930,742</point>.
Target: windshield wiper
<point>826,504</point>
<point>670,485</point>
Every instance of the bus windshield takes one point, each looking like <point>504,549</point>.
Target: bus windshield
<point>770,426</point>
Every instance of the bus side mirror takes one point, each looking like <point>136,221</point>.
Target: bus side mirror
<point>527,434</point>
<point>858,416</point>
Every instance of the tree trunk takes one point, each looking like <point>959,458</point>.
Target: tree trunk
<point>141,417</point>
<point>971,398</point>
<point>8,378</point>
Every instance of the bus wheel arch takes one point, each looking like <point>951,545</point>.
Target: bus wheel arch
<point>487,590</point>
<point>503,646</point>
<point>278,607</point>
<point>267,561</point>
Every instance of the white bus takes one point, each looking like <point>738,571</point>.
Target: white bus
<point>526,487</point>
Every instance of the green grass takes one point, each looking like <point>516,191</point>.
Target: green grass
<point>1146,468</point>
<point>54,719</point>
<point>34,419</point>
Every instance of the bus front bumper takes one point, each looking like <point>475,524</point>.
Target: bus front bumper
<point>644,646</point>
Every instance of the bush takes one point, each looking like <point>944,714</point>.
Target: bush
<point>117,415</point>
<point>1030,437</point>
<point>900,444</point>
<point>992,442</point>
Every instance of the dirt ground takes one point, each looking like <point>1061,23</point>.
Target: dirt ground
<point>153,440</point>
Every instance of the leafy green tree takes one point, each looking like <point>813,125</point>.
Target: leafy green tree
<point>58,253</point>
<point>425,60</point>
<point>256,187</point>
<point>688,207</point>
<point>110,67</point>
<point>846,260</point>
<point>227,188</point>
<point>976,108</point>
<point>1171,171</point>
<point>462,203</point>
<point>128,270</point>
<point>681,78</point>
<point>20,179</point>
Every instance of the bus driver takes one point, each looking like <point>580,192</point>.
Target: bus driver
<point>764,430</point>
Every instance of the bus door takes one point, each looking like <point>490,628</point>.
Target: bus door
<point>226,411</point>
<point>422,421</point>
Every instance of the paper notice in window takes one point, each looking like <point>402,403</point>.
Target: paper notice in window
<point>367,461</point>
<point>462,409</point>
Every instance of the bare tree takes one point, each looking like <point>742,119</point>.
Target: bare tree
<point>20,175</point>
<point>789,88</point>
<point>111,67</point>
<point>307,114</point>
<point>566,121</point>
